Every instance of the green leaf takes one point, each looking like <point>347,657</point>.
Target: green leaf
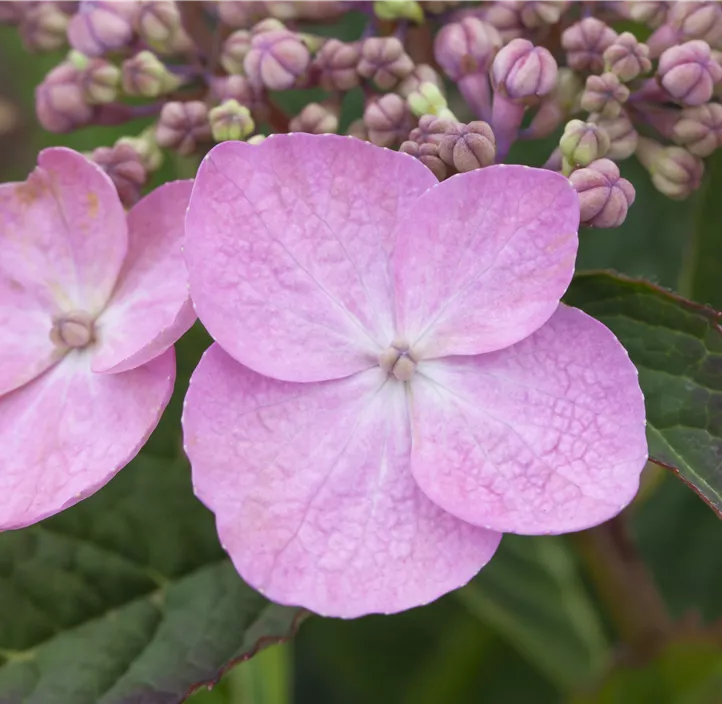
<point>126,597</point>
<point>677,347</point>
<point>532,593</point>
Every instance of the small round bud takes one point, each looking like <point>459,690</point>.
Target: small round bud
<point>699,129</point>
<point>627,58</point>
<point>623,138</point>
<point>182,126</point>
<point>59,100</point>
<point>583,142</point>
<point>505,17</point>
<point>336,63</point>
<point>428,100</point>
<point>585,43</point>
<point>235,48</point>
<point>145,74</point>
<point>387,120</point>
<point>230,120</point>
<point>276,59</point>
<point>431,129</point>
<point>146,147</point>
<point>652,13</point>
<point>428,155</point>
<point>241,13</point>
<point>235,87</point>
<point>468,147</point>
<point>384,60</point>
<point>674,171</point>
<point>44,27</point>
<point>101,26</point>
<point>270,24</point>
<point>466,47</point>
<point>534,14</point>
<point>158,23</point>
<point>604,197</point>
<point>125,168</point>
<point>604,94</point>
<point>73,330</point>
<point>422,73</point>
<point>395,10</point>
<point>688,72</point>
<point>100,81</point>
<point>696,20</point>
<point>523,72</point>
<point>315,119</point>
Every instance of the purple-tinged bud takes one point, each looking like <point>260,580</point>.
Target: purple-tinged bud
<point>315,119</point>
<point>524,72</point>
<point>241,14</point>
<point>239,88</point>
<point>146,147</point>
<point>428,155</point>
<point>235,48</point>
<point>688,72</point>
<point>535,14</point>
<point>230,120</point>
<point>101,26</point>
<point>358,130</point>
<point>505,17</point>
<point>145,74</point>
<point>699,129</point>
<point>336,64</point>
<point>674,171</point>
<point>384,60</point>
<point>685,21</point>
<point>604,197</point>
<point>158,23</point>
<point>582,143</point>
<point>623,138</point>
<point>44,27</point>
<point>125,168</point>
<point>387,120</point>
<point>468,147</point>
<point>182,126</point>
<point>627,58</point>
<point>100,80</point>
<point>466,47</point>
<point>276,59</point>
<point>585,43</point>
<point>651,13</point>
<point>59,101</point>
<point>604,95</point>
<point>431,130</point>
<point>422,73</point>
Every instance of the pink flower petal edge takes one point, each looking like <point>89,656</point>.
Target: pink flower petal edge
<point>546,436</point>
<point>312,491</point>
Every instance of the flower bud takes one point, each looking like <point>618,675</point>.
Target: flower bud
<point>674,171</point>
<point>604,94</point>
<point>358,130</point>
<point>384,60</point>
<point>686,21</point>
<point>336,63</point>
<point>688,72</point>
<point>234,51</point>
<point>627,58</point>
<point>276,59</point>
<point>466,47</point>
<point>468,147</point>
<point>125,168</point>
<point>585,43</point>
<point>399,10</point>
<point>315,119</point>
<point>146,147</point>
<point>623,138</point>
<point>429,100</point>
<point>604,197</point>
<point>44,27</point>
<point>235,13</point>
<point>182,126</point>
<point>505,17</point>
<point>387,120</point>
<point>534,14</point>
<point>645,12</point>
<point>101,26</point>
<point>145,74</point>
<point>523,72</point>
<point>270,24</point>
<point>230,120</point>
<point>59,101</point>
<point>99,79</point>
<point>699,129</point>
<point>582,143</point>
<point>422,73</point>
<point>431,130</point>
<point>428,155</point>
<point>158,23</point>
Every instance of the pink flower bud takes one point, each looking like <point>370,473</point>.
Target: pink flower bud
<point>100,81</point>
<point>182,126</point>
<point>422,73</point>
<point>44,27</point>
<point>431,130</point>
<point>466,47</point>
<point>623,138</point>
<point>241,14</point>
<point>651,13</point>
<point>101,26</point>
<point>604,95</point>
<point>384,60</point>
<point>674,171</point>
<point>145,74</point>
<point>387,120</point>
<point>522,71</point>
<point>276,59</point>
<point>125,168</point>
<point>235,48</point>
<point>59,101</point>
<point>688,72</point>
<point>315,119</point>
<point>627,58</point>
<point>699,129</point>
<point>239,88</point>
<point>336,64</point>
<point>689,20</point>
<point>428,155</point>
<point>604,197</point>
<point>534,14</point>
<point>468,147</point>
<point>585,43</point>
<point>583,142</point>
<point>158,23</point>
<point>505,17</point>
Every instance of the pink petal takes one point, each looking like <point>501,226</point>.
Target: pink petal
<point>287,249</point>
<point>68,432</point>
<point>150,307</point>
<point>62,242</point>
<point>313,495</point>
<point>546,436</point>
<point>483,258</point>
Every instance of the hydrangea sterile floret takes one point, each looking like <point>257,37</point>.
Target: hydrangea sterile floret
<point>394,382</point>
<point>91,302</point>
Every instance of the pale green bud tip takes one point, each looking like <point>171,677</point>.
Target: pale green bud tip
<point>398,10</point>
<point>427,99</point>
<point>230,121</point>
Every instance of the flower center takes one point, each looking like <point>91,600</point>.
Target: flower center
<point>72,330</point>
<point>398,360</point>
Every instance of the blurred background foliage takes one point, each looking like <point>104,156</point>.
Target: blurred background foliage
<point>538,625</point>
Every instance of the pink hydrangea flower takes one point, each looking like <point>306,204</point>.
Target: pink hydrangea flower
<point>91,302</point>
<point>394,382</point>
